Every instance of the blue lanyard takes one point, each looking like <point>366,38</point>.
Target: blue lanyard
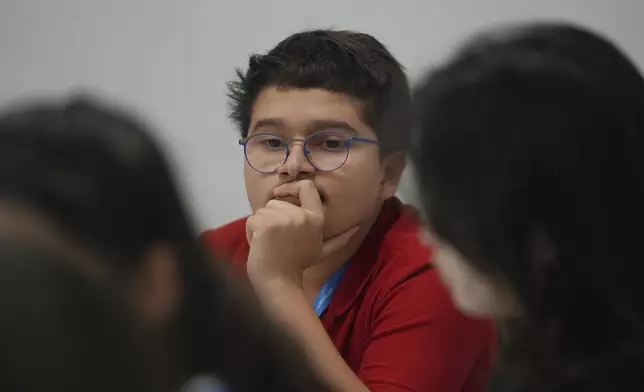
<point>323,300</point>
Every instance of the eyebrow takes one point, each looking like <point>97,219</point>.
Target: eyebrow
<point>320,125</point>
<point>313,126</point>
<point>268,122</point>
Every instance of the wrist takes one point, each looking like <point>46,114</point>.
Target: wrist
<point>271,281</point>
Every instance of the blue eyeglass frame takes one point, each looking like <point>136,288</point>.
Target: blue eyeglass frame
<point>307,153</point>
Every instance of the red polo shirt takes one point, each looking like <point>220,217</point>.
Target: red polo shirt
<point>391,318</point>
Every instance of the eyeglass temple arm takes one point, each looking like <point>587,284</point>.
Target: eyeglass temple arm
<point>363,139</point>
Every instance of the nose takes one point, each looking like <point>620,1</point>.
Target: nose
<point>296,164</point>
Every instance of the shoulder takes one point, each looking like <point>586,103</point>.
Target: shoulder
<point>402,256</point>
<point>225,240</point>
<point>410,311</point>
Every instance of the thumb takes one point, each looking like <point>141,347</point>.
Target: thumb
<point>334,244</point>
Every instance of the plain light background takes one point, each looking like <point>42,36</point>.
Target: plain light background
<point>170,59</point>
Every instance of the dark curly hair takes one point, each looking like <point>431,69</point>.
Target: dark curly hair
<point>346,62</point>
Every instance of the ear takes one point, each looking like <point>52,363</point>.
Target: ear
<point>392,166</point>
<point>157,284</point>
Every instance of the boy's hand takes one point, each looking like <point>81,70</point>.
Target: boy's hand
<point>286,239</point>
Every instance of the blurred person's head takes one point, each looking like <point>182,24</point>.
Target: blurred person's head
<point>330,106</point>
<point>98,180</point>
<point>529,157</point>
<point>98,177</point>
<point>63,327</point>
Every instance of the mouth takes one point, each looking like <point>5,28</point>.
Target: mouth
<point>290,199</point>
<point>296,200</point>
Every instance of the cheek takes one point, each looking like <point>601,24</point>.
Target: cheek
<point>258,187</point>
<point>360,179</point>
<point>353,195</point>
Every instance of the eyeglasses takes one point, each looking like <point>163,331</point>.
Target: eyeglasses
<point>325,150</point>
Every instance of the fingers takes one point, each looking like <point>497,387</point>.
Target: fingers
<point>275,213</point>
<point>264,215</point>
<point>336,243</point>
<point>249,231</point>
<point>309,196</point>
<point>254,224</point>
<point>278,205</point>
<point>288,189</point>
<point>305,190</point>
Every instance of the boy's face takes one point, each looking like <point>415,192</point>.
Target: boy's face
<point>352,194</point>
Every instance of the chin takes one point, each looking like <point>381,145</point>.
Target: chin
<point>335,227</point>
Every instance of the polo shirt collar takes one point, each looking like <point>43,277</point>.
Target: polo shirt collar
<point>362,264</point>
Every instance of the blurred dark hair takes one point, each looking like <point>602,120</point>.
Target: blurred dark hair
<point>62,328</point>
<point>346,62</point>
<point>529,157</point>
<point>100,176</point>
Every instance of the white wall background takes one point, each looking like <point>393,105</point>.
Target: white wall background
<point>171,58</point>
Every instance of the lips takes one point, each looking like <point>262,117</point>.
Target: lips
<point>296,200</point>
<point>290,199</point>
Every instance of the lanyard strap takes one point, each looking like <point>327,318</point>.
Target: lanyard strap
<point>323,300</point>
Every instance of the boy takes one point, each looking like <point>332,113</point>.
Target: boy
<point>324,119</point>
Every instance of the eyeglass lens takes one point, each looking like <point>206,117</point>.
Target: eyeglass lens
<point>326,151</point>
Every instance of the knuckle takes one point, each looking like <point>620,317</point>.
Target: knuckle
<point>272,203</point>
<point>300,219</point>
<point>272,223</point>
<point>314,218</point>
<point>251,221</point>
<point>253,225</point>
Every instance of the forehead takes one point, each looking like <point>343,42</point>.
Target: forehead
<point>294,110</point>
